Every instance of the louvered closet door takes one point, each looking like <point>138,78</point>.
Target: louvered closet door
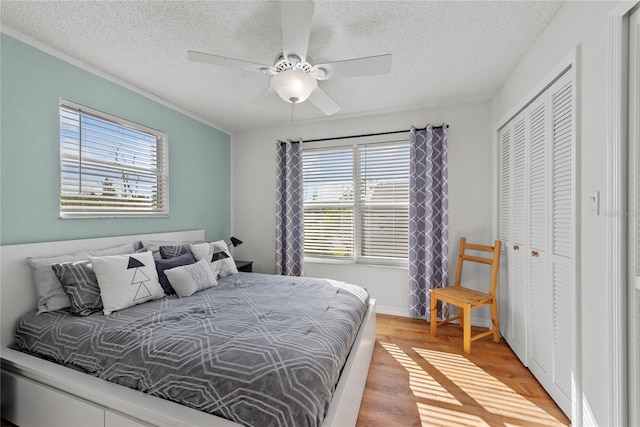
<point>512,292</point>
<point>538,251</point>
<point>517,258</point>
<point>537,226</point>
<point>562,256</point>
<point>506,233</point>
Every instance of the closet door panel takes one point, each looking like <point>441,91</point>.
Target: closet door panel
<point>517,261</point>
<point>506,219</point>
<point>539,291</point>
<point>563,213</point>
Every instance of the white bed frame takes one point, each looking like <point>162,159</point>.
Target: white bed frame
<point>38,393</point>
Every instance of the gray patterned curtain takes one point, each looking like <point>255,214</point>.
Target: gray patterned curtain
<point>289,209</point>
<point>428,218</point>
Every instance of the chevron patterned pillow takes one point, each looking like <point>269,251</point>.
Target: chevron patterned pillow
<point>81,286</point>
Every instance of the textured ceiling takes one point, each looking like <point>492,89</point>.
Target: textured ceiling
<point>443,51</point>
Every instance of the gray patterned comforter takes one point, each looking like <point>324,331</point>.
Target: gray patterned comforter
<point>257,349</point>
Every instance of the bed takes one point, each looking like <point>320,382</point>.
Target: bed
<point>38,392</point>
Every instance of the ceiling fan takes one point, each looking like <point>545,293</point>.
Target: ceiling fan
<point>294,77</point>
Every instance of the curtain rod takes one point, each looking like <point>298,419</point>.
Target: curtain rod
<point>335,138</point>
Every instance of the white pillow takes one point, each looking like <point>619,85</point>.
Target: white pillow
<point>126,280</point>
<point>218,256</point>
<point>189,279</point>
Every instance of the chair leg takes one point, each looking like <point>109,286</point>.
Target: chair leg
<point>466,328</point>
<point>461,314</point>
<point>494,320</point>
<point>434,315</point>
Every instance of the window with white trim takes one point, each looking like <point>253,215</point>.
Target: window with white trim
<point>356,202</point>
<point>110,167</point>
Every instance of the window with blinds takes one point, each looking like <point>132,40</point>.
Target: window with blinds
<point>356,202</point>
<point>110,167</point>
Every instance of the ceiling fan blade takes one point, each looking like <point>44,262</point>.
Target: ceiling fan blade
<point>227,62</point>
<point>320,99</point>
<point>296,27</point>
<point>261,101</point>
<point>380,64</point>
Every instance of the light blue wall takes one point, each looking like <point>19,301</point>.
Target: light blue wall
<point>31,84</point>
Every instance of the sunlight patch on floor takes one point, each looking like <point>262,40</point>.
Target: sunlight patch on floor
<point>490,393</point>
<point>421,383</point>
<point>433,415</point>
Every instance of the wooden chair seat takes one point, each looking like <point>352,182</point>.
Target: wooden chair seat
<point>458,295</point>
<point>465,298</point>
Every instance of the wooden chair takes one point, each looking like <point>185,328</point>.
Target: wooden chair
<point>466,299</point>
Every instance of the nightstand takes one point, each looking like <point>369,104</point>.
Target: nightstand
<point>245,266</point>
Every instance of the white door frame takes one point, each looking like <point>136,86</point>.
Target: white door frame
<point>615,209</point>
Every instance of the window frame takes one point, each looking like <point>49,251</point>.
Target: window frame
<point>354,143</point>
<point>161,193</point>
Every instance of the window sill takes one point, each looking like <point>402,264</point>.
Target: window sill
<point>397,265</point>
<point>76,215</point>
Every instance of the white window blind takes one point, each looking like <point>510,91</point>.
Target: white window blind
<point>110,167</point>
<point>384,200</point>
<point>356,202</point>
<point>328,202</point>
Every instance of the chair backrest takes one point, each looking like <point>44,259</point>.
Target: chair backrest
<point>493,260</point>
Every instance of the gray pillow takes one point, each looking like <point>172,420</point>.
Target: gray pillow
<point>50,294</point>
<point>166,264</point>
<point>154,245</point>
<point>172,251</point>
<point>81,286</point>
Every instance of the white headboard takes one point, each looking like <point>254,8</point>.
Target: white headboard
<point>17,290</point>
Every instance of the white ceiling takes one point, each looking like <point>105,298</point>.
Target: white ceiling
<point>443,51</point>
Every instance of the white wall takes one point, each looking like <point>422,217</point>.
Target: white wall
<point>583,25</point>
<point>471,213</point>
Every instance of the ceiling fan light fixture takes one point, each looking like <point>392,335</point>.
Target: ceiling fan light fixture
<point>293,86</point>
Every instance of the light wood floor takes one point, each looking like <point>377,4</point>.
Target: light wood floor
<point>418,380</point>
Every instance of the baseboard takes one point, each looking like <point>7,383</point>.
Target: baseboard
<point>480,322</point>
<point>393,311</point>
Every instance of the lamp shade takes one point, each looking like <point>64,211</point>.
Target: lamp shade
<point>293,85</point>
<point>235,241</point>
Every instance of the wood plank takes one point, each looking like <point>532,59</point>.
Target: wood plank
<point>419,380</point>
